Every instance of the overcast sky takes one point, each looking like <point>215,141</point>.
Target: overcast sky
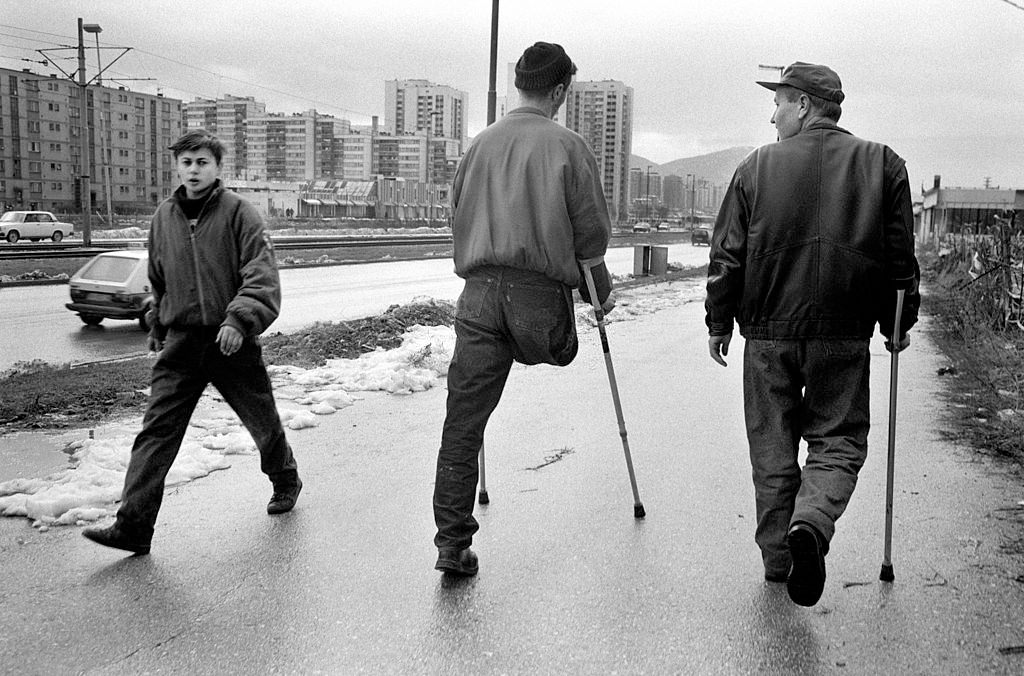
<point>940,81</point>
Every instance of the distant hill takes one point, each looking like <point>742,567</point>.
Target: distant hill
<point>717,168</point>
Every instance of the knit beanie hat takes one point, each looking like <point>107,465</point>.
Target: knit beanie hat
<point>543,65</point>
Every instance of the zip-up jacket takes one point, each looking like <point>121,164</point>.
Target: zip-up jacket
<point>222,272</point>
<point>528,195</point>
<point>813,238</point>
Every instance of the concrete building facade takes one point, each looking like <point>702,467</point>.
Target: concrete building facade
<point>226,118</point>
<point>602,113</point>
<point>41,133</point>
<point>414,107</point>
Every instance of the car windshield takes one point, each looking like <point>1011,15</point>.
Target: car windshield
<point>109,269</point>
<point>9,216</point>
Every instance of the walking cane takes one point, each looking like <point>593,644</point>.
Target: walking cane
<point>587,264</point>
<point>887,574</point>
<point>484,499</point>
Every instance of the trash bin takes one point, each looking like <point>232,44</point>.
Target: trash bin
<point>649,259</point>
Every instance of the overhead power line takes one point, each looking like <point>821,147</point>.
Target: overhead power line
<point>293,95</point>
<point>1014,4</point>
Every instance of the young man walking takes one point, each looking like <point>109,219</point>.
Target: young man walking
<point>528,205</point>
<point>813,239</point>
<point>215,290</point>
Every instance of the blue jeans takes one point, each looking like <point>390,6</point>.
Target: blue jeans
<point>816,389</point>
<point>189,362</point>
<point>503,314</point>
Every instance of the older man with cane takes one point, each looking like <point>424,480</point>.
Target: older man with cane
<point>812,242</point>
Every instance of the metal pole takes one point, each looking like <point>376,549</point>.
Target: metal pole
<point>104,167</point>
<point>491,91</point>
<point>887,574</point>
<point>84,184</point>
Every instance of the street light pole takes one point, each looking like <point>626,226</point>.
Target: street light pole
<point>102,165</point>
<point>84,185</point>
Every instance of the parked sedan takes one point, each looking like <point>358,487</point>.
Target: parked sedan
<point>701,235</point>
<point>34,226</point>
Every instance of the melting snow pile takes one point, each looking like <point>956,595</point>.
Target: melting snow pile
<point>88,489</point>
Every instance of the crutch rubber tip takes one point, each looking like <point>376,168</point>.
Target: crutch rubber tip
<point>887,574</point>
<point>483,498</point>
<point>638,510</point>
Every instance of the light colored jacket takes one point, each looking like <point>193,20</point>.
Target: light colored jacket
<point>528,195</point>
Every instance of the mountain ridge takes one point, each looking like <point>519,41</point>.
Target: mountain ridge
<point>716,168</point>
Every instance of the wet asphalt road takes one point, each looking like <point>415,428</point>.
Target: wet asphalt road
<point>570,582</point>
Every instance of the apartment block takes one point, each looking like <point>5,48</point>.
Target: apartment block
<point>297,147</point>
<point>602,113</point>
<point>41,134</point>
<point>419,106</point>
<point>226,118</point>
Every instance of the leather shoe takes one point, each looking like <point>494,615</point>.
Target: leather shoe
<point>461,562</point>
<point>284,497</point>
<point>807,579</point>
<point>113,536</point>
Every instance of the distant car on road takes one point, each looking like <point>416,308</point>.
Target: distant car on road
<point>112,285</point>
<point>701,235</point>
<point>642,226</point>
<point>664,226</point>
<point>34,226</point>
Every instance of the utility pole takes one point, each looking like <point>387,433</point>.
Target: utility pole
<point>84,185</point>
<point>103,165</point>
<point>491,82</point>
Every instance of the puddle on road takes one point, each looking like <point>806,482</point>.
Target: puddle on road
<point>33,455</point>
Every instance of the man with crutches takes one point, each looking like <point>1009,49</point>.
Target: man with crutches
<point>812,242</point>
<point>528,204</point>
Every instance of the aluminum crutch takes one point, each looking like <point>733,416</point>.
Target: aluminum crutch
<point>587,264</point>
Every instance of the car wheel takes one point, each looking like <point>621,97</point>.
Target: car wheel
<point>91,320</point>
<point>12,236</point>
<point>57,236</point>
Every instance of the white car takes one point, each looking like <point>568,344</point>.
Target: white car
<point>34,226</point>
<point>113,285</point>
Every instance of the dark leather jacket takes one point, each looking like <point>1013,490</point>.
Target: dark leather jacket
<point>813,238</point>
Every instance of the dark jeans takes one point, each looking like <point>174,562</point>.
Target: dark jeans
<point>503,314</point>
<point>816,389</point>
<point>189,362</point>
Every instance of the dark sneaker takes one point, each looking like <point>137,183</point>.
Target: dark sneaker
<point>457,562</point>
<point>807,579</point>
<point>284,497</point>
<point>113,536</point>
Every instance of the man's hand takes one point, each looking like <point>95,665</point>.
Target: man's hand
<point>902,345</point>
<point>154,344</point>
<point>719,347</point>
<point>229,339</point>
<point>609,304</point>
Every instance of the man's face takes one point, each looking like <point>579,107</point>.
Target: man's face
<point>197,169</point>
<point>786,117</point>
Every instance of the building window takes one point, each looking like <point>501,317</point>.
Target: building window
<point>35,187</point>
<point>33,106</point>
<point>54,166</point>
<point>55,147</point>
<point>55,107</point>
<point>55,126</point>
<point>35,167</point>
<point>33,126</point>
<point>57,186</point>
<point>34,146</point>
